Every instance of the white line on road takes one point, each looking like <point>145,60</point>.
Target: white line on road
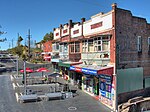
<point>17,84</point>
<point>17,97</point>
<point>11,77</point>
<point>14,86</point>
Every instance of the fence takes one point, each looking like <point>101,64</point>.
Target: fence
<point>129,79</point>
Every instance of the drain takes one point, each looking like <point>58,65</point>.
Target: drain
<point>72,108</point>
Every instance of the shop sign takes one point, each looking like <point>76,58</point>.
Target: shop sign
<point>106,85</point>
<point>78,69</point>
<point>72,68</point>
<point>88,71</point>
<point>107,77</point>
<point>75,69</point>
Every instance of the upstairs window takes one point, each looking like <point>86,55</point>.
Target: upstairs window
<point>149,44</point>
<point>139,44</point>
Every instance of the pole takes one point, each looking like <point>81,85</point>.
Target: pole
<point>116,95</point>
<point>12,43</point>
<point>25,82</point>
<point>17,66</point>
<point>29,43</point>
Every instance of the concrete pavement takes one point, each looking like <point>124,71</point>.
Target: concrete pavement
<point>81,102</point>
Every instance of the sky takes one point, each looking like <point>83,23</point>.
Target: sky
<point>41,16</point>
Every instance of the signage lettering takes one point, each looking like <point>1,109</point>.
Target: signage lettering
<point>88,71</point>
<point>57,34</point>
<point>76,31</point>
<point>96,25</point>
<point>72,68</point>
<point>65,31</point>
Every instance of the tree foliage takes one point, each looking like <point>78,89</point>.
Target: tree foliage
<point>48,37</point>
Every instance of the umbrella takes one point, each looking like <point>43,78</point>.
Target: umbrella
<point>27,70</point>
<point>42,70</point>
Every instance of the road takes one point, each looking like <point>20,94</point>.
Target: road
<point>81,103</point>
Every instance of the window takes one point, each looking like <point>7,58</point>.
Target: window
<point>105,45</point>
<point>74,47</point>
<point>85,46</point>
<point>149,44</point>
<point>97,44</point>
<point>65,47</point>
<point>139,44</point>
<point>90,45</point>
<point>61,48</point>
<point>77,47</point>
<point>55,46</point>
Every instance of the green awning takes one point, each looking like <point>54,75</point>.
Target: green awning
<point>64,64</point>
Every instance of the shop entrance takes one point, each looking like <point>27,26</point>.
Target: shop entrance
<point>79,80</point>
<point>96,86</point>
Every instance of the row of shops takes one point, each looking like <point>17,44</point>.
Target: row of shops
<point>94,80</point>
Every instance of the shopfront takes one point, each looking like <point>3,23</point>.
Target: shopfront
<point>97,82</point>
<point>55,65</point>
<point>106,86</point>
<point>89,81</point>
<point>67,74</point>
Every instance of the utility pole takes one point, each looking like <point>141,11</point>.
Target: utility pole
<point>29,36</point>
<point>17,41</point>
<point>12,43</point>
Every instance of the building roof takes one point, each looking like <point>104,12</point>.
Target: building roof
<point>93,67</point>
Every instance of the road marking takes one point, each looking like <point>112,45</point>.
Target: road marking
<point>17,84</point>
<point>17,97</point>
<point>11,77</point>
<point>72,108</point>
<point>14,86</point>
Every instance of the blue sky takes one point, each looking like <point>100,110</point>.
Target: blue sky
<point>41,16</point>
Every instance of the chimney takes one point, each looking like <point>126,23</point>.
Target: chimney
<point>82,20</point>
<point>60,26</point>
<point>114,6</point>
<point>101,13</point>
<point>70,23</point>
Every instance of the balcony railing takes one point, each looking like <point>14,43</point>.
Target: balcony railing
<point>96,55</point>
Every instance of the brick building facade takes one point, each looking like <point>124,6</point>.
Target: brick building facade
<point>132,41</point>
<point>105,43</point>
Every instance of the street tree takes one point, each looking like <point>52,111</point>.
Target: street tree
<point>48,37</point>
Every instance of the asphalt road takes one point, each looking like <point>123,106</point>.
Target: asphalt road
<point>81,103</point>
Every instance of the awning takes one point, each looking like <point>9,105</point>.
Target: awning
<point>92,69</point>
<point>68,64</point>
